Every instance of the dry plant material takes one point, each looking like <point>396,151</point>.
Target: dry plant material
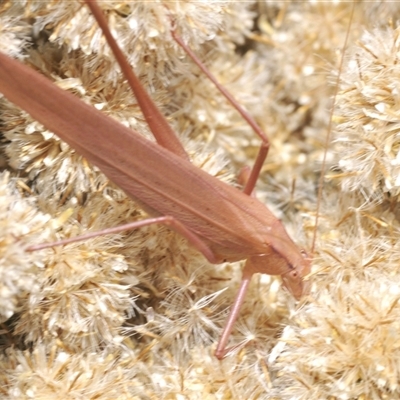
<point>149,282</point>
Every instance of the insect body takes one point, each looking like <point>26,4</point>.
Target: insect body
<point>222,222</point>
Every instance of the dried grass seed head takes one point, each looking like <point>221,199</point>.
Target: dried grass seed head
<point>368,138</point>
<point>345,344</point>
<point>14,30</point>
<point>51,372</point>
<point>20,223</point>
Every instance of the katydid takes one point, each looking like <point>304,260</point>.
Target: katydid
<point>222,222</point>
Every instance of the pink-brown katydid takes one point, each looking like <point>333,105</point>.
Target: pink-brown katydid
<point>222,222</point>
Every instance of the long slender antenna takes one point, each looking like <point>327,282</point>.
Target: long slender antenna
<point>329,133</point>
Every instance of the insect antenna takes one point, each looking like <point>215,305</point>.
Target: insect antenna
<point>329,132</point>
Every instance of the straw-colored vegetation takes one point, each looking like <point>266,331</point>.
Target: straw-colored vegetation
<point>137,315</point>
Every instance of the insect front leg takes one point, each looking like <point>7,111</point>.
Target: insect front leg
<point>252,177</point>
